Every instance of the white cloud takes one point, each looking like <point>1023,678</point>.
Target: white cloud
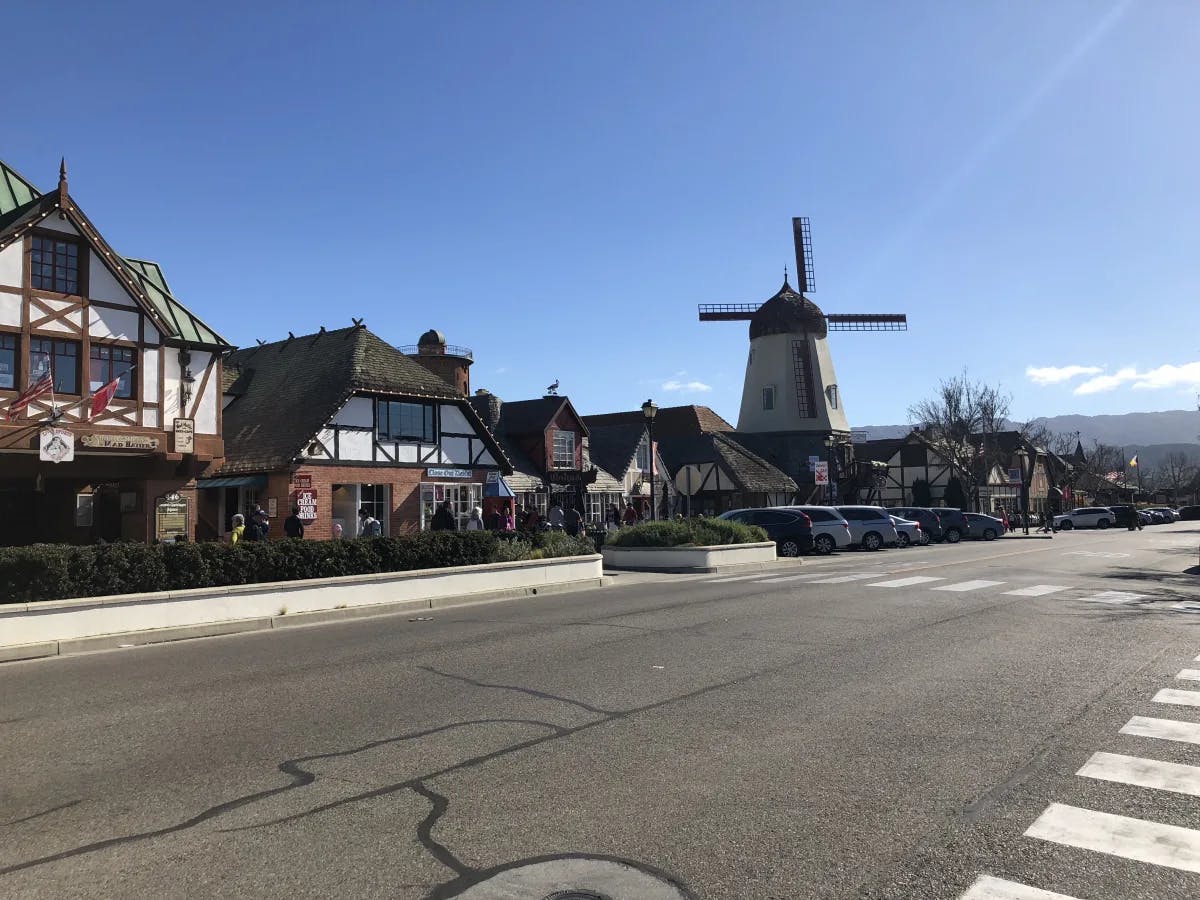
<point>685,386</point>
<point>1056,374</point>
<point>1186,377</point>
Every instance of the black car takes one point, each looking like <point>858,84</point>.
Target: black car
<point>922,515</point>
<point>1188,513</point>
<point>954,524</point>
<point>1126,514</point>
<point>791,530</point>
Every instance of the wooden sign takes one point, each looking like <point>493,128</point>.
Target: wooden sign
<point>185,435</point>
<point>119,442</point>
<point>170,517</point>
<point>306,501</point>
<point>302,482</point>
<point>56,445</point>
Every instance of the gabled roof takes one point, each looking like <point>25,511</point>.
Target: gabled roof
<point>532,416</point>
<point>614,447</point>
<point>879,450</point>
<point>288,390</point>
<point>144,280</point>
<point>670,421</point>
<point>749,471</point>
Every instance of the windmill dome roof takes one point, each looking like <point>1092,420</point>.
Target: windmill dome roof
<point>787,313</point>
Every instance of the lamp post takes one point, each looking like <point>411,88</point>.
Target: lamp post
<point>649,410</point>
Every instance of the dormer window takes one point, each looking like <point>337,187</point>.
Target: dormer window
<point>398,421</point>
<point>54,265</point>
<point>564,450</point>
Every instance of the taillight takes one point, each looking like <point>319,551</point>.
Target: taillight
<point>807,520</point>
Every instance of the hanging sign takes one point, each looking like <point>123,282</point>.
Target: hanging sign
<point>185,435</point>
<point>447,473</point>
<point>56,445</point>
<point>302,482</point>
<point>119,442</point>
<point>821,473</point>
<point>812,463</point>
<point>305,500</point>
<point>170,517</point>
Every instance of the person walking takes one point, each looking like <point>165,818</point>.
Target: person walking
<point>631,516</point>
<point>292,526</point>
<point>239,528</point>
<point>556,519</point>
<point>443,519</point>
<point>475,519</point>
<point>368,525</point>
<point>572,520</point>
<point>532,519</point>
<point>506,519</point>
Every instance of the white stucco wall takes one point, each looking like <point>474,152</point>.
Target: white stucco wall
<point>12,264</point>
<point>457,450</point>
<point>113,323</point>
<point>355,444</point>
<point>150,418</point>
<point>770,363</point>
<point>10,310</point>
<point>102,285</point>
<point>53,223</point>
<point>454,420</point>
<point>150,376</point>
<point>486,459</point>
<point>170,400</point>
<point>208,402</point>
<point>357,412</point>
<point>406,453</point>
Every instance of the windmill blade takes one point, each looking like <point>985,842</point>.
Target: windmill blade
<point>802,236</point>
<point>727,312</point>
<point>867,321</point>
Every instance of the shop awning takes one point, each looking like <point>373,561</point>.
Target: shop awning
<point>497,488</point>
<point>257,481</point>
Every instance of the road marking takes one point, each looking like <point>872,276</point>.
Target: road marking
<point>968,585</point>
<point>1189,675</point>
<point>1190,606</point>
<point>905,582</point>
<point>781,578</point>
<point>1179,698</point>
<point>988,888</point>
<point>1166,729</point>
<point>1037,590</point>
<point>1095,554</point>
<point>1150,773</point>
<point>725,579</point>
<point>842,579</point>
<point>1152,842</point>
<point>1113,597</point>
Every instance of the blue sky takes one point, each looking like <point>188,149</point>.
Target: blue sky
<point>557,185</point>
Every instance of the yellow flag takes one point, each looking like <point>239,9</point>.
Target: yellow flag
<point>1133,462</point>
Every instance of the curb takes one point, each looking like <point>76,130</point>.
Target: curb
<point>123,640</point>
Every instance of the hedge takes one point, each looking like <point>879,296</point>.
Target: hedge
<point>698,532</point>
<point>62,571</point>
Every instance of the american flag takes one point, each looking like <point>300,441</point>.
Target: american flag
<point>43,385</point>
<point>1115,477</point>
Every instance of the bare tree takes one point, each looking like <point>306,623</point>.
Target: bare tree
<point>961,409</point>
<point>1175,473</point>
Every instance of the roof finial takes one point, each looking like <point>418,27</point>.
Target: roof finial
<point>62,187</point>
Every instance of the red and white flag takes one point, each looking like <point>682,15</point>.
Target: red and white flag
<point>43,385</point>
<point>103,397</point>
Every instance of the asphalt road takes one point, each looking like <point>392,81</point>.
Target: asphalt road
<point>884,725</point>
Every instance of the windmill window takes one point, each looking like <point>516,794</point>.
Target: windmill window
<point>832,393</point>
<point>768,399</point>
<point>802,372</point>
<point>54,265</point>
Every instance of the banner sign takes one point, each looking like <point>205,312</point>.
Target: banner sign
<point>447,473</point>
<point>119,442</point>
<point>305,500</point>
<point>56,445</point>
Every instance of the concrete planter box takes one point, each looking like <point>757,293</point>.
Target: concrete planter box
<point>64,621</point>
<point>690,559</point>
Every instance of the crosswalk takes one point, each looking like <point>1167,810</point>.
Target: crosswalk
<point>1125,837</point>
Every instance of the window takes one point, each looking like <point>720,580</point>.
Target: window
<point>769,397</point>
<point>8,362</point>
<point>61,358</point>
<point>54,265</point>
<point>564,450</point>
<point>109,363</point>
<point>802,371</point>
<point>375,498</point>
<point>397,421</point>
<point>912,455</point>
<point>832,392</point>
<point>643,455</point>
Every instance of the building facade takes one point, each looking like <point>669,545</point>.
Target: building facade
<point>74,310</point>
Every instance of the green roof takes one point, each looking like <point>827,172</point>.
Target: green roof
<point>15,191</point>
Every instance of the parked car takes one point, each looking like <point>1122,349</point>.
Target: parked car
<point>1189,513</point>
<point>791,530</point>
<point>931,525</point>
<point>1165,514</point>
<point>1126,514</point>
<point>908,533</point>
<point>830,529</point>
<point>954,523</point>
<point>983,527</point>
<point>870,526</point>
<point>1086,517</point>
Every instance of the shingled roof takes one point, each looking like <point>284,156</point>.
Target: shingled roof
<point>288,390</point>
<point>749,471</point>
<point>670,421</point>
<point>614,447</point>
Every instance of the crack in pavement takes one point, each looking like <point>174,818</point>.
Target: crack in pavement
<point>44,812</point>
<point>540,695</point>
<point>438,850</point>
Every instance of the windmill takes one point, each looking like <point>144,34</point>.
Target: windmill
<point>790,400</point>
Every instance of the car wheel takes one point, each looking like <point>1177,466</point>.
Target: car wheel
<point>872,541</point>
<point>1066,525</point>
<point>925,539</point>
<point>824,544</point>
<point>989,534</point>
<point>953,535</point>
<point>1103,523</point>
<point>789,547</point>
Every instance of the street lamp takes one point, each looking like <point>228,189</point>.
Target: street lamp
<point>649,410</point>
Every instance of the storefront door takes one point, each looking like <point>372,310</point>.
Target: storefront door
<point>462,497</point>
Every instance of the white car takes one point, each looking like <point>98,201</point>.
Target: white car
<point>870,526</point>
<point>830,529</point>
<point>1086,517</point>
<point>909,533</point>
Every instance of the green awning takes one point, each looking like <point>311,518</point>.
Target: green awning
<point>257,481</point>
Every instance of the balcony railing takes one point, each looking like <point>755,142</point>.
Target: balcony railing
<point>437,350</point>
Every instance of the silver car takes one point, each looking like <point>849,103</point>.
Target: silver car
<point>909,533</point>
<point>830,529</point>
<point>870,526</point>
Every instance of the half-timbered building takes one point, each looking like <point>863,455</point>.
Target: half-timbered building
<point>898,465</point>
<point>75,310</point>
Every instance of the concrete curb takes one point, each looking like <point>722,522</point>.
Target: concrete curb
<point>44,649</point>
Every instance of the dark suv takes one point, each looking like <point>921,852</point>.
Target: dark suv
<point>1125,515</point>
<point>791,530</point>
<point>927,518</point>
<point>954,524</point>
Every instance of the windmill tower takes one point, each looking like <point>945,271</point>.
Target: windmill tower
<point>790,396</point>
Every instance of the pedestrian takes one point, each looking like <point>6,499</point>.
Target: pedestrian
<point>506,519</point>
<point>475,519</point>
<point>337,530</point>
<point>368,525</point>
<point>1004,519</point>
<point>630,517</point>
<point>532,519</point>
<point>443,519</point>
<point>556,519</point>
<point>572,520</point>
<point>264,523</point>
<point>239,528</point>
<point>292,526</point>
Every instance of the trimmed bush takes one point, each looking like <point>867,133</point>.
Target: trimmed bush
<point>697,532</point>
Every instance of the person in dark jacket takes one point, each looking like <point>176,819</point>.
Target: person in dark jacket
<point>572,520</point>
<point>292,526</point>
<point>443,519</point>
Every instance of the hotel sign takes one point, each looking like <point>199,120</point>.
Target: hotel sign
<point>447,473</point>
<point>119,442</point>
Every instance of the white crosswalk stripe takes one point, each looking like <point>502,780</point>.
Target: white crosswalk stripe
<point>780,579</point>
<point>726,579</point>
<point>1152,842</point>
<point>1036,590</point>
<point>1150,773</point>
<point>1177,697</point>
<point>905,582</point>
<point>1189,675</point>
<point>1113,597</point>
<point>988,888</point>
<point>968,585</point>
<point>1165,729</point>
<point>845,579</point>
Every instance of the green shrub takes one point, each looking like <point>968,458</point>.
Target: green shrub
<point>697,532</point>
<point>553,544</point>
